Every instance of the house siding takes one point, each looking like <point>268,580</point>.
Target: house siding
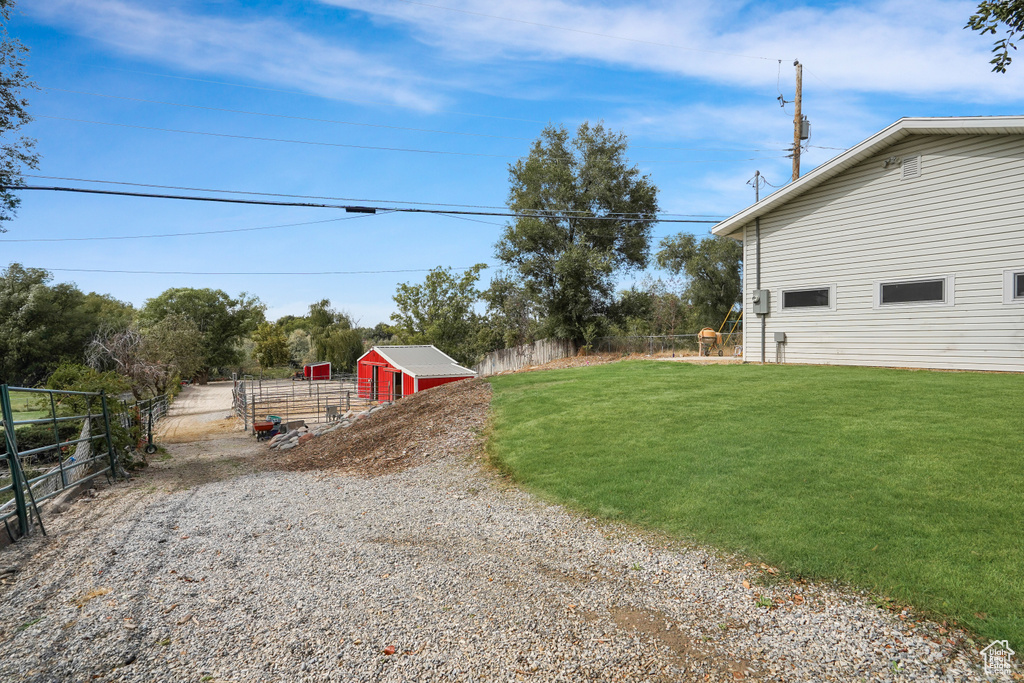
<point>962,218</point>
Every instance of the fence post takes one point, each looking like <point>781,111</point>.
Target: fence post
<point>56,435</point>
<point>12,459</point>
<point>106,428</point>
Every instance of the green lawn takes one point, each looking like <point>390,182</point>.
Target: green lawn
<point>29,406</point>
<point>910,483</point>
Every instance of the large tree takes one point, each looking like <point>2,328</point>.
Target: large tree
<point>991,16</point>
<point>584,219</point>
<point>334,336</point>
<point>270,346</point>
<point>712,271</point>
<point>223,321</point>
<point>16,151</point>
<point>42,324</point>
<point>440,311</point>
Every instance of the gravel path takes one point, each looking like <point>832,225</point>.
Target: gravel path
<point>199,413</point>
<point>206,569</point>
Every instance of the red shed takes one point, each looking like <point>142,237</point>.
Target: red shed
<point>317,371</point>
<point>390,372</point>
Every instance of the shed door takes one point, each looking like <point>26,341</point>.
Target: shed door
<point>396,380</point>
<point>374,382</point>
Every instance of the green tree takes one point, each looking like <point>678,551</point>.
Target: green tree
<point>594,224</point>
<point>223,321</point>
<point>341,346</point>
<point>270,346</point>
<point>17,153</point>
<point>290,323</point>
<point>513,314</point>
<point>300,348</point>
<point>40,324</point>
<point>712,271</point>
<point>988,18</point>
<point>177,345</point>
<point>334,337</point>
<point>441,312</point>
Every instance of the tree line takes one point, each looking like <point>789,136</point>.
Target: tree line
<point>584,222</point>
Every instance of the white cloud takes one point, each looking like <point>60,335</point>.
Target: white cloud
<point>264,50</point>
<point>914,48</point>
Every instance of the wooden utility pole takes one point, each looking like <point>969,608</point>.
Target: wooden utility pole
<point>797,118</point>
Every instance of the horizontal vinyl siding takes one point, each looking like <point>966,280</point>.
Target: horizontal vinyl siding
<point>963,217</point>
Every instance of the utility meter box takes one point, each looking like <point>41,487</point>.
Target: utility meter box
<point>762,301</point>
<point>780,337</point>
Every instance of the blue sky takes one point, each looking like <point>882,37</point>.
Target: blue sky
<point>694,87</point>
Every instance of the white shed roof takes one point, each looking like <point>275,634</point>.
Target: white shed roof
<point>423,360</point>
<point>964,125</point>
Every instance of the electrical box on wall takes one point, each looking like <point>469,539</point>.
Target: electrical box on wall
<point>762,301</point>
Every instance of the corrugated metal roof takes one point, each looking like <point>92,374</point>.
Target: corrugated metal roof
<point>964,125</point>
<point>423,361</point>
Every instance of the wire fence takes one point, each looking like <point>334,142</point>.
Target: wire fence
<point>256,400</point>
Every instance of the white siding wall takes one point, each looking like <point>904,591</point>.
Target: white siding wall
<point>963,217</point>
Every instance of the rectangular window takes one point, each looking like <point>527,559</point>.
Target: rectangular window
<point>1013,286</point>
<point>806,298</point>
<point>919,291</point>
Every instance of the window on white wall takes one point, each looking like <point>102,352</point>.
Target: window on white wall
<point>812,297</point>
<point>936,290</point>
<point>1013,286</point>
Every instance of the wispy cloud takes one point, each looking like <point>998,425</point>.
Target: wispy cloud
<point>266,51</point>
<point>916,48</point>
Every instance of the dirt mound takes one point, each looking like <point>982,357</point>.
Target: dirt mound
<point>423,427</point>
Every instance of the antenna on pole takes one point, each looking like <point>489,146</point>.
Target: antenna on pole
<point>756,182</point>
<point>798,118</point>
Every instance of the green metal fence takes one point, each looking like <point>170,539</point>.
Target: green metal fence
<point>74,459</point>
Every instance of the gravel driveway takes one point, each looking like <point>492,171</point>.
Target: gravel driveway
<point>208,568</point>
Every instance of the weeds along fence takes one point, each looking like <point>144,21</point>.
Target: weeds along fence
<point>519,357</point>
<point>311,401</point>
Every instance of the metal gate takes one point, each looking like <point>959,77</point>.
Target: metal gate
<point>20,497</point>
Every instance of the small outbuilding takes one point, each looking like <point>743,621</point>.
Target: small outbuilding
<point>317,371</point>
<point>386,373</point>
<point>905,250</point>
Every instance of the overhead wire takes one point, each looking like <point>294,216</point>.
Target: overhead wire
<point>309,196</point>
<point>352,209</point>
<point>196,272</point>
<point>375,125</point>
<point>236,136</point>
<point>305,94</point>
<point>189,234</point>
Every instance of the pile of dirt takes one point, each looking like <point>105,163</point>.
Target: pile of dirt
<point>423,427</point>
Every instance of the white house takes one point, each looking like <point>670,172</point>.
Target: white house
<point>906,250</point>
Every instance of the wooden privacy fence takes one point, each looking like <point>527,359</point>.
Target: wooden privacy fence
<point>519,357</point>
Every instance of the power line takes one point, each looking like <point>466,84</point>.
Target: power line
<point>235,136</point>
<point>352,209</point>
<point>311,196</point>
<point>380,125</point>
<point>588,33</point>
<point>300,92</point>
<point>185,234</point>
<point>193,272</point>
